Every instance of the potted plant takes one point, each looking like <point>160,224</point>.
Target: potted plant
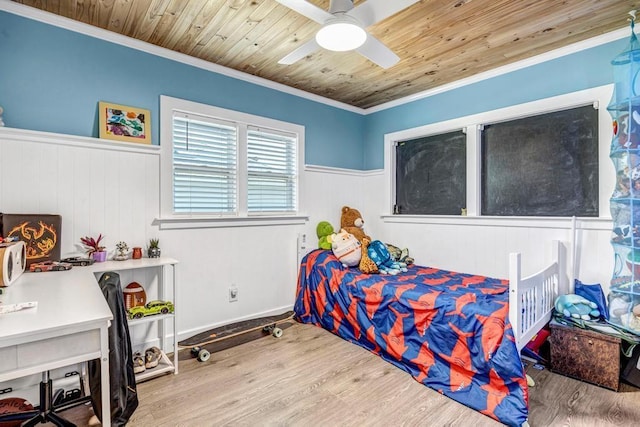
<point>154,249</point>
<point>94,249</point>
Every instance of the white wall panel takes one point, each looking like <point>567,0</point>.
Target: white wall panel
<point>98,189</point>
<point>110,188</point>
<point>467,245</point>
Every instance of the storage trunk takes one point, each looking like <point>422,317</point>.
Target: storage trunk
<point>585,355</point>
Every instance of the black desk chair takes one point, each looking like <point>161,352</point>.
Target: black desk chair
<point>48,409</point>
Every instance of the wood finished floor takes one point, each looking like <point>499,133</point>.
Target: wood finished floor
<point>310,377</point>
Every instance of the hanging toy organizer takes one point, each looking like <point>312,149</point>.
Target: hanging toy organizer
<point>624,296</point>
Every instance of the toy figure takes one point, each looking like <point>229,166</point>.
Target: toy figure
<point>575,306</point>
<point>346,248</point>
<point>379,254</point>
<point>351,221</point>
<point>323,231</point>
<point>622,186</point>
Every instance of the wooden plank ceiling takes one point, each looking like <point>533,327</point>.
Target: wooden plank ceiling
<point>438,41</point>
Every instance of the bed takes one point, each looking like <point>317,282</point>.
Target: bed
<point>459,334</point>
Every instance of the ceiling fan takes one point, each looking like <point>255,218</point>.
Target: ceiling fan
<point>343,28</point>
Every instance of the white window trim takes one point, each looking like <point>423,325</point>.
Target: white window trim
<point>171,220</point>
<point>599,96</point>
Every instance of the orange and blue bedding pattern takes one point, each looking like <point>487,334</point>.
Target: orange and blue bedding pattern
<point>449,330</point>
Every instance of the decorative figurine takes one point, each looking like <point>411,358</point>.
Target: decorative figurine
<point>122,249</point>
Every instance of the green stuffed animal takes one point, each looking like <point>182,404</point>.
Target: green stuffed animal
<point>324,230</point>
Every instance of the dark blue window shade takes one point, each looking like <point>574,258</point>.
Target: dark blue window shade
<point>543,165</point>
<point>431,176</point>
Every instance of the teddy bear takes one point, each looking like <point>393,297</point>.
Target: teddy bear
<point>367,265</point>
<point>575,306</point>
<point>351,221</point>
<point>324,229</point>
<point>346,248</point>
<point>379,253</point>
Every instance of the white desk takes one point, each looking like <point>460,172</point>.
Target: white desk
<point>69,326</point>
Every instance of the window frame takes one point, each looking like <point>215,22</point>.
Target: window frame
<point>170,219</point>
<point>598,96</point>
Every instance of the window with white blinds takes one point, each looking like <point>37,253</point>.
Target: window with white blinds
<point>271,171</point>
<point>204,165</point>
<point>225,165</point>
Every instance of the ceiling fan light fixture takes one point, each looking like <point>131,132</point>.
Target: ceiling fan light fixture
<point>341,35</point>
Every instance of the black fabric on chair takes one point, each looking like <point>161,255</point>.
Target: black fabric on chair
<point>122,381</point>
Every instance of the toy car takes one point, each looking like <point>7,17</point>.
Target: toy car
<point>76,260</point>
<point>50,266</point>
<point>152,307</point>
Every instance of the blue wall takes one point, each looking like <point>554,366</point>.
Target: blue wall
<point>51,79</point>
<point>581,70</point>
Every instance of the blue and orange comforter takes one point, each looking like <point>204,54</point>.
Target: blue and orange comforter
<point>449,330</point>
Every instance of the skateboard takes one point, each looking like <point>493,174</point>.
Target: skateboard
<point>268,325</point>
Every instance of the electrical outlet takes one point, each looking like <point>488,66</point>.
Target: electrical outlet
<point>233,294</point>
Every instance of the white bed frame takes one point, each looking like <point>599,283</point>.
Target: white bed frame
<point>531,298</point>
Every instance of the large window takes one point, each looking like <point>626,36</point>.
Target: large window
<point>542,165</point>
<point>205,172</point>
<point>227,164</point>
<point>546,158</point>
<point>431,176</point>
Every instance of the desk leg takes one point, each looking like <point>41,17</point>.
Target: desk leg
<point>104,375</point>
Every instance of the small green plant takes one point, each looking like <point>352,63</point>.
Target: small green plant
<point>154,249</point>
<point>92,245</point>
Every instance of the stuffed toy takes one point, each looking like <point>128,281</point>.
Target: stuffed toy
<point>346,248</point>
<point>366,264</point>
<point>351,221</point>
<point>399,255</point>
<point>631,320</point>
<point>618,305</point>
<point>575,306</point>
<point>324,230</point>
<point>379,254</point>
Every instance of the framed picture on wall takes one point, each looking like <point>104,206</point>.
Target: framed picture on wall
<point>124,123</point>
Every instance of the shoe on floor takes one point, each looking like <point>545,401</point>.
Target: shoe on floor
<point>138,363</point>
<point>152,357</point>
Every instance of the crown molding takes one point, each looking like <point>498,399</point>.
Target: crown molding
<point>534,60</point>
<point>109,36</point>
<point>86,29</point>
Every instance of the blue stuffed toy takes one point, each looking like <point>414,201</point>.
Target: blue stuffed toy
<point>379,254</point>
<point>575,306</point>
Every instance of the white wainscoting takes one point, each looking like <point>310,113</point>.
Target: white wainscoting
<point>97,186</point>
<point>482,245</point>
<point>113,188</point>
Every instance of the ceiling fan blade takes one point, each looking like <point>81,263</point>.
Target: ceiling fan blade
<point>372,11</point>
<point>304,50</point>
<point>375,51</point>
<point>307,9</point>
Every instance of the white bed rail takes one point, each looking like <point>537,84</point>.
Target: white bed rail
<point>531,298</point>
